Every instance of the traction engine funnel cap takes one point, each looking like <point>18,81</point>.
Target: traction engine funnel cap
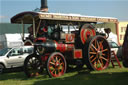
<point>44,7</point>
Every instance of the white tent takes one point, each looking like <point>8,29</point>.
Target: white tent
<point>11,40</point>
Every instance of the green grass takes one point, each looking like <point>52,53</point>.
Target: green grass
<point>110,76</point>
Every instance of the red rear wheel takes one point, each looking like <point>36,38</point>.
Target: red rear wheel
<point>97,53</point>
<point>56,65</point>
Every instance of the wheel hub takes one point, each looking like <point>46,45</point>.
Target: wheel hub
<point>57,64</point>
<point>99,53</point>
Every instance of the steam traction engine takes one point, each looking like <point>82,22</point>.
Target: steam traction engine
<point>61,40</point>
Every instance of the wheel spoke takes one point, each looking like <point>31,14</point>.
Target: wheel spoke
<point>59,60</point>
<point>92,52</point>
<point>60,68</point>
<point>103,54</point>
<point>53,60</point>
<point>101,44</point>
<point>95,42</point>
<point>53,71</point>
<point>93,59</point>
<point>52,63</point>
<point>94,47</point>
<point>35,61</point>
<point>51,67</point>
<point>104,50</point>
<point>56,58</point>
<point>30,63</point>
<point>104,58</point>
<point>100,63</point>
<point>91,56</point>
<point>61,64</point>
<point>98,45</point>
<point>32,60</point>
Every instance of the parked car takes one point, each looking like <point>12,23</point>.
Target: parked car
<point>14,57</point>
<point>117,49</point>
<point>125,49</point>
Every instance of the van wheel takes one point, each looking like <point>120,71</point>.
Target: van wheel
<point>1,68</point>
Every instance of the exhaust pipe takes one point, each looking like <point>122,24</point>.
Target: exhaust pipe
<point>44,7</point>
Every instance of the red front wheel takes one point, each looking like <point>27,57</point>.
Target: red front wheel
<point>56,65</point>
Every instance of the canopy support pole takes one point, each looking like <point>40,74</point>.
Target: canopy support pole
<point>34,33</point>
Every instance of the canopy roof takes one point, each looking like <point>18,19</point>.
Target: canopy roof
<point>28,17</point>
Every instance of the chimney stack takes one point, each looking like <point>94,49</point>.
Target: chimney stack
<point>44,7</point>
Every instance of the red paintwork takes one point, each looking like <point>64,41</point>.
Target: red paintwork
<point>70,38</point>
<point>44,58</point>
<point>78,54</point>
<point>64,47</point>
<point>82,37</point>
<point>112,61</point>
<point>93,31</point>
<point>61,47</point>
<point>45,29</point>
<point>86,33</point>
<point>43,39</point>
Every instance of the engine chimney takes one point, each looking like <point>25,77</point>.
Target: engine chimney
<point>44,7</point>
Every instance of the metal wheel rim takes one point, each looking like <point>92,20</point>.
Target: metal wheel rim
<point>98,54</point>
<point>33,66</point>
<point>56,65</point>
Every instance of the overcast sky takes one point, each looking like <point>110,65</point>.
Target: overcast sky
<point>105,8</point>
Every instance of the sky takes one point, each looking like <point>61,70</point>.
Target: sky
<point>104,8</point>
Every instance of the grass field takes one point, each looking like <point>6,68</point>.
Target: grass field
<point>110,76</point>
